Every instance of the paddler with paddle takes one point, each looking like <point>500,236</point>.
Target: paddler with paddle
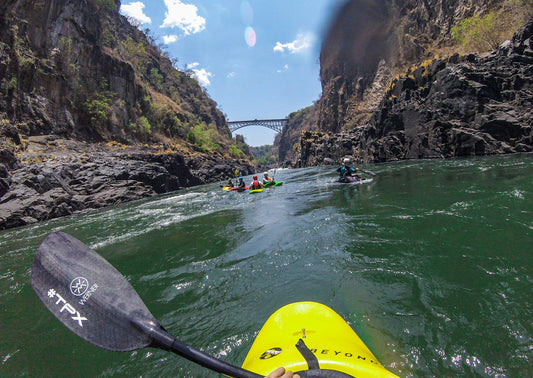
<point>256,184</point>
<point>241,184</point>
<point>346,171</point>
<point>267,179</point>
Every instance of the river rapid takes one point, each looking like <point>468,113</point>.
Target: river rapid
<point>430,263</point>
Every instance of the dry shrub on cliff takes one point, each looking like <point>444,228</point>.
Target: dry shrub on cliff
<point>134,52</point>
<point>482,33</point>
<point>98,104</point>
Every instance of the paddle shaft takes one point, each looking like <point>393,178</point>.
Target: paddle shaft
<point>166,341</point>
<point>368,172</point>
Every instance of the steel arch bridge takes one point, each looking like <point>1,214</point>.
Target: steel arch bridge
<point>274,124</point>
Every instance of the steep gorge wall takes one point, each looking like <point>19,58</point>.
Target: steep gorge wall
<point>478,104</point>
<point>287,143</point>
<point>372,40</point>
<point>78,69</point>
<point>387,95</point>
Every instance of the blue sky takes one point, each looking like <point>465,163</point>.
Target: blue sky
<point>255,58</point>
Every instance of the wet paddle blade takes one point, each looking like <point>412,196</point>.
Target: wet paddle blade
<point>89,296</point>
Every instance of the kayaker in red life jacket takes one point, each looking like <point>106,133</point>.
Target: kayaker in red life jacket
<point>256,184</point>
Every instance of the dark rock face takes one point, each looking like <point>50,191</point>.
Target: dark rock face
<point>288,140</point>
<point>479,105</point>
<point>461,106</point>
<point>78,69</point>
<point>76,176</point>
<point>369,40</point>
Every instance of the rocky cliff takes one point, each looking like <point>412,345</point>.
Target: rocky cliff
<point>372,40</point>
<point>78,69</point>
<point>477,104</point>
<point>92,113</point>
<point>287,143</point>
<point>388,95</point>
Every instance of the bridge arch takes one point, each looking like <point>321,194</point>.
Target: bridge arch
<point>274,124</point>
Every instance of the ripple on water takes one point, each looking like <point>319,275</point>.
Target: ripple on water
<point>430,264</point>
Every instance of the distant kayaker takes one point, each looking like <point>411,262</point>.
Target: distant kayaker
<point>267,179</point>
<point>256,184</point>
<point>241,183</point>
<point>346,171</point>
<point>230,184</point>
<point>281,373</point>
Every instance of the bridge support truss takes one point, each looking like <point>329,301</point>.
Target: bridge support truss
<point>274,124</point>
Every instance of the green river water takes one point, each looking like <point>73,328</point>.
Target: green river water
<point>431,264</point>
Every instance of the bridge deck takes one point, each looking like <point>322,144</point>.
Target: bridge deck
<point>274,124</point>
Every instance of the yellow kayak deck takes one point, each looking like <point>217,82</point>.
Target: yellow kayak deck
<point>331,341</point>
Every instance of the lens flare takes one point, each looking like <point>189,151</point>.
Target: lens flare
<point>249,36</point>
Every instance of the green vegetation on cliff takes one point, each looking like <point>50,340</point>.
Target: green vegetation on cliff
<point>80,70</point>
<point>486,32</point>
<point>265,155</point>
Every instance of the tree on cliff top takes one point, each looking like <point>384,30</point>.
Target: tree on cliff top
<point>482,33</point>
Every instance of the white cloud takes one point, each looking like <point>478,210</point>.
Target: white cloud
<point>168,39</point>
<point>201,75</point>
<point>230,75</point>
<point>183,16</point>
<point>285,68</point>
<point>135,11</point>
<point>302,43</point>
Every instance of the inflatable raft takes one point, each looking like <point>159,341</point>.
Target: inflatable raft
<point>313,340</point>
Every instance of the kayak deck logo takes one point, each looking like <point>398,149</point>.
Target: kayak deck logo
<point>272,352</point>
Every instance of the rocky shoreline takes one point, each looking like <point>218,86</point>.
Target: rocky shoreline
<point>55,177</point>
<point>477,104</point>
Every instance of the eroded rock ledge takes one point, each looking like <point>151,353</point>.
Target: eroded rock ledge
<point>55,177</point>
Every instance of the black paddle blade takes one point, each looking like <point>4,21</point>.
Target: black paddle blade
<point>89,296</point>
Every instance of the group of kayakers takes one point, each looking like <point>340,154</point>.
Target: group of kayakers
<point>256,184</point>
<point>346,174</point>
